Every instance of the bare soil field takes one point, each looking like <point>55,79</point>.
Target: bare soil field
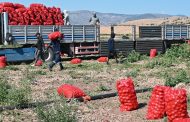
<point>94,78</point>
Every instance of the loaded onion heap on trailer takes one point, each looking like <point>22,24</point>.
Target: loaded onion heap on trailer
<point>36,14</point>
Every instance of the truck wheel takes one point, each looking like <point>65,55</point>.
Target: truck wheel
<point>48,55</point>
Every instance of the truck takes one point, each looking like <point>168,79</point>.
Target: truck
<point>82,40</point>
<point>78,39</point>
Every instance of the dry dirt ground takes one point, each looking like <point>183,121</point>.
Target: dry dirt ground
<point>94,78</point>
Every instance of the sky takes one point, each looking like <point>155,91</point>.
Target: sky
<point>172,7</point>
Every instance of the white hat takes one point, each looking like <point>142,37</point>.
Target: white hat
<point>65,11</point>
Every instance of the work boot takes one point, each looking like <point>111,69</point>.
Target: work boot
<point>61,66</point>
<point>51,66</point>
<point>107,63</point>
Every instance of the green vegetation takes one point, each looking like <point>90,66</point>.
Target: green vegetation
<point>180,77</point>
<point>103,88</point>
<point>12,68</point>
<point>57,112</point>
<point>133,57</point>
<point>172,56</point>
<point>133,73</point>
<point>159,62</point>
<point>10,95</point>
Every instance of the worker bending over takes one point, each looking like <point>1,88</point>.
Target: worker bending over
<point>40,49</point>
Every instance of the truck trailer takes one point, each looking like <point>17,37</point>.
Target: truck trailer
<point>80,40</point>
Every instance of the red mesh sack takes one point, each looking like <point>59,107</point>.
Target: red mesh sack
<point>156,106</point>
<point>39,63</point>
<point>2,65</point>
<point>55,35</point>
<point>3,62</point>
<point>127,95</point>
<point>1,10</point>
<point>8,9</point>
<point>17,5</point>
<point>21,10</point>
<point>35,23</point>
<point>176,103</point>
<point>48,23</point>
<point>3,59</point>
<point>34,5</point>
<point>103,59</point>
<point>76,61</point>
<point>153,53</point>
<point>70,91</point>
<point>13,23</point>
<point>182,120</point>
<point>7,4</point>
<point>59,23</point>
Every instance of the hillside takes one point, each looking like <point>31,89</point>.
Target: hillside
<point>123,29</point>
<point>82,17</point>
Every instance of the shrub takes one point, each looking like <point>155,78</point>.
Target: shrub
<point>133,57</point>
<point>181,51</point>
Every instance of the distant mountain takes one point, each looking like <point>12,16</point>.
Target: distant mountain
<point>83,16</point>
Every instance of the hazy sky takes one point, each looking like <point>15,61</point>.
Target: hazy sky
<point>174,7</point>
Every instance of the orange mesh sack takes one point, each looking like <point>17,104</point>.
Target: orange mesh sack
<point>70,91</point>
<point>127,95</point>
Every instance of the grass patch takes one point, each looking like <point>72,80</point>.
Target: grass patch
<point>101,87</point>
<point>39,72</point>
<point>133,73</point>
<point>13,68</point>
<point>181,77</point>
<point>159,62</point>
<point>10,95</point>
<point>57,112</point>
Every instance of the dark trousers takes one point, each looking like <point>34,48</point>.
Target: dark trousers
<point>39,55</point>
<point>112,54</point>
<point>57,58</point>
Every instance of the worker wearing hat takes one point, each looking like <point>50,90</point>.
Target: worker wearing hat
<point>66,17</point>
